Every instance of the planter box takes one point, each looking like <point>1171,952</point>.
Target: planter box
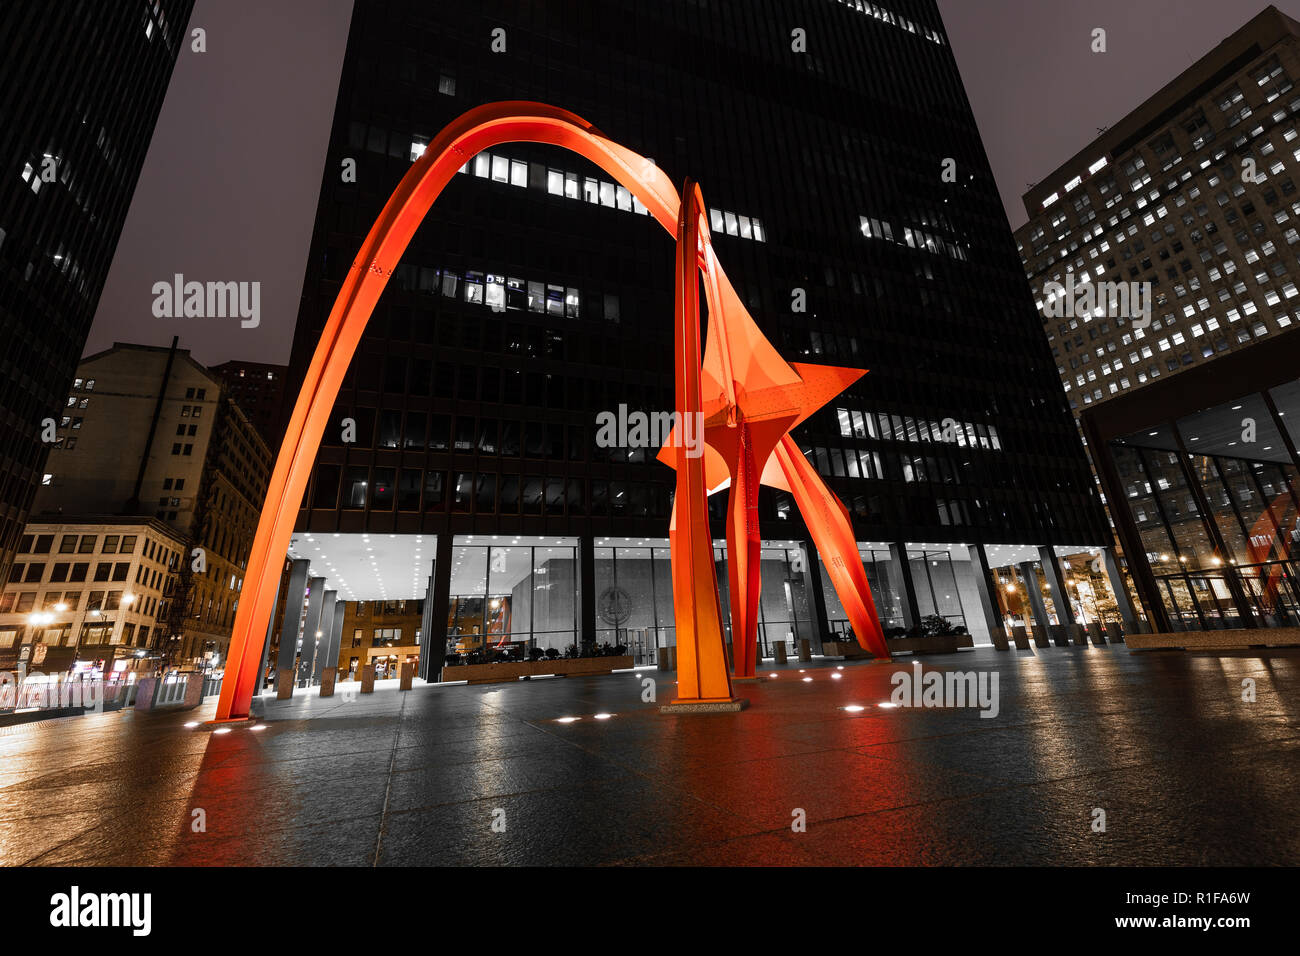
<point>1216,640</point>
<point>181,692</point>
<point>939,644</point>
<point>564,667</point>
<point>842,650</point>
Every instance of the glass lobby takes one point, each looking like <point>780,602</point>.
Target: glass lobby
<point>1215,500</point>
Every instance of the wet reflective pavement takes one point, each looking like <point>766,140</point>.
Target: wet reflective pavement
<point>1185,771</point>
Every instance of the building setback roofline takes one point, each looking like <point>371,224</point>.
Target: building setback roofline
<point>149,521</point>
<point>1264,31</point>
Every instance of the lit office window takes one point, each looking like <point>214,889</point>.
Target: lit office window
<point>496,293</point>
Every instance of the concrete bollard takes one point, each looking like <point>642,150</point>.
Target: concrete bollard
<point>368,679</point>
<point>1040,636</point>
<point>1115,633</point>
<point>999,637</point>
<point>663,659</point>
<point>778,651</point>
<point>284,683</point>
<point>407,675</point>
<point>1021,637</point>
<point>1095,635</point>
<point>805,649</point>
<point>327,678</point>
<point>1078,635</point>
<point>1060,634</point>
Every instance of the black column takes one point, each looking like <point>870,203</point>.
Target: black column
<point>1060,596</point>
<point>816,597</point>
<point>587,607</point>
<point>984,585</point>
<point>289,631</point>
<point>266,644</point>
<point>1144,582</point>
<point>901,569</point>
<point>326,629</point>
<point>1116,578</point>
<point>426,619</point>
<point>1245,608</point>
<point>1035,596</point>
<point>310,626</point>
<point>432,662</point>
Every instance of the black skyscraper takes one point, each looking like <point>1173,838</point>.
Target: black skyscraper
<point>81,84</point>
<point>536,296</point>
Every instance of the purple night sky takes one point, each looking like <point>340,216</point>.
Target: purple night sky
<point>229,189</point>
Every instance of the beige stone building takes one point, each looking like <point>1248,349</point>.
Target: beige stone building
<point>379,631</point>
<point>89,588</point>
<point>148,431</point>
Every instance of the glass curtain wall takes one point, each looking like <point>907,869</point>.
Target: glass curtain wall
<point>513,600</point>
<point>1214,498</point>
<point>634,596</point>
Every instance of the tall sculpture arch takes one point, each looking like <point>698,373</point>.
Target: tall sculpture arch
<point>698,618</point>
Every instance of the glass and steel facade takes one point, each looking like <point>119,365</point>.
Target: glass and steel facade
<point>537,295</point>
<point>1210,492</point>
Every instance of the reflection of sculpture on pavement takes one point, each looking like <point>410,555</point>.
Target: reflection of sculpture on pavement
<point>751,396</point>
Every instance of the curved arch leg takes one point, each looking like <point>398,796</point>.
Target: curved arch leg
<point>828,522</point>
<point>476,130</point>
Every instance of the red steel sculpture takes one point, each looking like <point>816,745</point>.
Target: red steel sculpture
<point>753,399</point>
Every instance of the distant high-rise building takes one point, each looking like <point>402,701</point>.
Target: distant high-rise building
<point>258,390</point>
<point>81,85</point>
<point>1170,242</point>
<point>149,432</point>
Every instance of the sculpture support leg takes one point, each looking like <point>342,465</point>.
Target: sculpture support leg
<point>828,521</point>
<point>701,657</point>
<point>744,552</point>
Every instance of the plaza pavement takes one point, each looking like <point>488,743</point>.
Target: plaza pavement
<point>1184,769</point>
